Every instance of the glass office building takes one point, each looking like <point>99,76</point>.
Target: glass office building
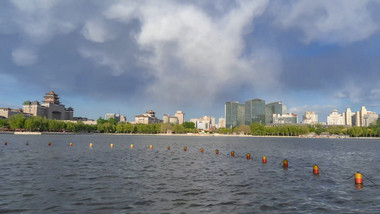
<point>235,114</point>
<point>255,111</point>
<point>273,108</point>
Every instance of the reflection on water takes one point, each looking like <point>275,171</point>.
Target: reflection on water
<point>37,178</point>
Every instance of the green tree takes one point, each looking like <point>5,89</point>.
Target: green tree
<point>257,129</point>
<point>179,129</point>
<point>189,125</point>
<point>242,129</point>
<point>17,121</point>
<point>113,121</point>
<point>70,127</point>
<point>101,121</point>
<point>3,123</point>
<point>121,128</point>
<point>166,127</point>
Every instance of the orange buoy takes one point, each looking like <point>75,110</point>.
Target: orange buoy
<point>202,150</point>
<point>168,147</point>
<point>131,146</point>
<point>264,159</point>
<point>217,151</point>
<point>71,144</point>
<point>185,148</point>
<point>233,154</point>
<point>358,178</point>
<point>111,145</point>
<point>285,163</point>
<point>90,145</point>
<point>5,143</point>
<point>248,156</point>
<point>49,144</point>
<point>315,169</point>
<point>151,147</point>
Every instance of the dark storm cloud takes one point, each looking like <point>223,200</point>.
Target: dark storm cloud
<point>185,54</point>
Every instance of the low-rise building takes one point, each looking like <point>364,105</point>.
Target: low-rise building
<point>8,112</point>
<point>51,108</point>
<point>204,123</point>
<point>288,118</point>
<point>118,117</point>
<point>148,118</point>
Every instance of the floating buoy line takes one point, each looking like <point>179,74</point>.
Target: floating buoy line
<point>358,177</point>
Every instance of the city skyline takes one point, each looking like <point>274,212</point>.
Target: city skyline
<point>130,57</point>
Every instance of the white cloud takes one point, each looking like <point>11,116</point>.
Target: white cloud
<point>326,21</point>
<point>196,53</point>
<point>97,31</point>
<point>24,57</point>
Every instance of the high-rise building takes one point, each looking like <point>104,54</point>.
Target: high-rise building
<point>222,122</point>
<point>310,117</point>
<point>181,117</point>
<point>166,118</point>
<point>173,120</point>
<point>348,117</point>
<point>255,111</point>
<point>370,118</point>
<point>274,108</point>
<point>363,117</point>
<point>213,122</point>
<point>235,114</point>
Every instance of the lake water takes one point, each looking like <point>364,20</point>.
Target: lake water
<point>61,179</point>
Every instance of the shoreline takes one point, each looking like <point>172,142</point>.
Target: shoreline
<point>181,135</point>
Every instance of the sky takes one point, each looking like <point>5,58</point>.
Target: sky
<point>130,56</point>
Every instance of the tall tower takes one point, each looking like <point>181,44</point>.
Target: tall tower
<point>348,117</point>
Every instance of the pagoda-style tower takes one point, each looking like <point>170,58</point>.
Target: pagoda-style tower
<point>52,98</point>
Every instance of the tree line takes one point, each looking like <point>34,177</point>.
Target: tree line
<point>19,122</point>
<point>296,130</point>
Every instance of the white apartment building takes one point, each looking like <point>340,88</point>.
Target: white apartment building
<point>288,118</point>
<point>178,118</point>
<point>222,122</point>
<point>181,117</point>
<point>361,118</point>
<point>310,117</point>
<point>335,118</point>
